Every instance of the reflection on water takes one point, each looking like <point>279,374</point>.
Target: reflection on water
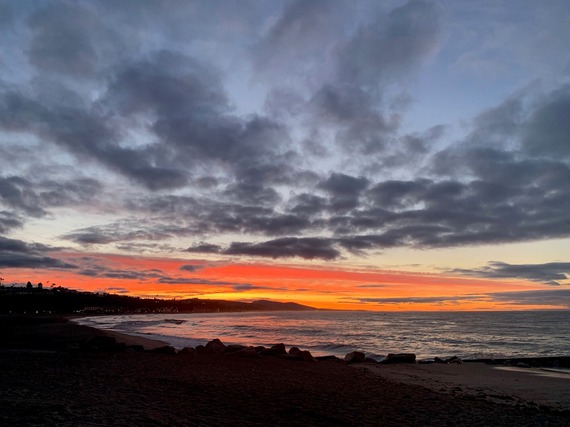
<point>466,334</point>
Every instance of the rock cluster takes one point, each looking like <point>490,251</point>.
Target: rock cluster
<point>103,343</point>
<point>450,360</point>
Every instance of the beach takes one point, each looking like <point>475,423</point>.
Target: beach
<point>47,378</point>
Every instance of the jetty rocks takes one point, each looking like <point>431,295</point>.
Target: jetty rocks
<point>103,343</point>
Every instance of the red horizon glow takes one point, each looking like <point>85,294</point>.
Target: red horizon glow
<point>318,286</point>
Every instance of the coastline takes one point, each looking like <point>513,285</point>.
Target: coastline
<point>501,384</point>
<point>47,380</point>
<point>471,336</point>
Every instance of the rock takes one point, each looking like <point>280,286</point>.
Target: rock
<point>135,348</point>
<point>188,351</point>
<point>370,360</point>
<point>167,349</point>
<point>400,358</point>
<point>259,348</point>
<point>454,359</point>
<point>329,357</point>
<point>355,357</point>
<point>246,352</point>
<point>200,349</point>
<point>275,350</point>
<point>295,351</point>
<point>215,346</point>
<point>296,354</point>
<point>288,356</point>
<point>102,343</point>
<point>235,347</point>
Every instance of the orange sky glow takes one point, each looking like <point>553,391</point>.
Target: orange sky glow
<point>320,286</point>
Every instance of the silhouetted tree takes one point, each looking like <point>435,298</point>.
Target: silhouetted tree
<point>40,285</point>
<point>29,285</point>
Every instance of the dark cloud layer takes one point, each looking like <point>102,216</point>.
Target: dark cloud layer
<point>18,254</point>
<point>138,109</point>
<point>556,298</point>
<point>549,273</point>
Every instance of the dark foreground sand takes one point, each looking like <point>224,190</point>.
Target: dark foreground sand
<point>44,380</point>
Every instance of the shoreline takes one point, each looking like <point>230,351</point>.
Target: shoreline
<point>430,342</point>
<point>536,361</point>
<point>475,377</point>
<point>47,379</point>
<point>501,384</point>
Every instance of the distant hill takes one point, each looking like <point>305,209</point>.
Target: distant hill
<point>280,306</point>
<point>31,300</point>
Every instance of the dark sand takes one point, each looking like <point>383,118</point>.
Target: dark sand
<point>44,380</point>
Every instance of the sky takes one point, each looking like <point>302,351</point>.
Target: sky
<point>362,154</point>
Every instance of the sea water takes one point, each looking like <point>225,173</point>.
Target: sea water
<point>469,335</point>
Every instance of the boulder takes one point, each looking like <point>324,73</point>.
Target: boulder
<point>247,353</point>
<point>167,349</point>
<point>274,350</point>
<point>455,360</point>
<point>135,348</point>
<point>355,357</point>
<point>328,357</point>
<point>200,349</point>
<point>235,347</point>
<point>215,346</point>
<point>400,358</point>
<point>296,352</point>
<point>306,356</point>
<point>188,351</point>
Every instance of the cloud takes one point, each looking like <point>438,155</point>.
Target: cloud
<point>18,254</point>
<point>239,287</point>
<point>547,132</point>
<point>423,300</point>
<point>18,193</point>
<point>300,39</point>
<point>558,298</point>
<point>33,197</point>
<point>191,267</point>
<point>63,40</point>
<point>393,45</point>
<point>149,112</point>
<point>122,231</point>
<point>549,273</point>
<point>307,248</point>
<point>9,221</point>
<point>206,248</point>
<point>344,190</point>
<point>92,269</point>
<point>117,290</point>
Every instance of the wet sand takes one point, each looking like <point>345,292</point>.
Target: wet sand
<point>509,385</point>
<point>46,380</point>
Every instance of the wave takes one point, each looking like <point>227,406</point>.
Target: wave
<point>467,335</point>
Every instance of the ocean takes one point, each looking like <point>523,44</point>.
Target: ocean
<point>468,335</point>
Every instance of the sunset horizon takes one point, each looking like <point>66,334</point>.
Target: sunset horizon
<point>380,156</point>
